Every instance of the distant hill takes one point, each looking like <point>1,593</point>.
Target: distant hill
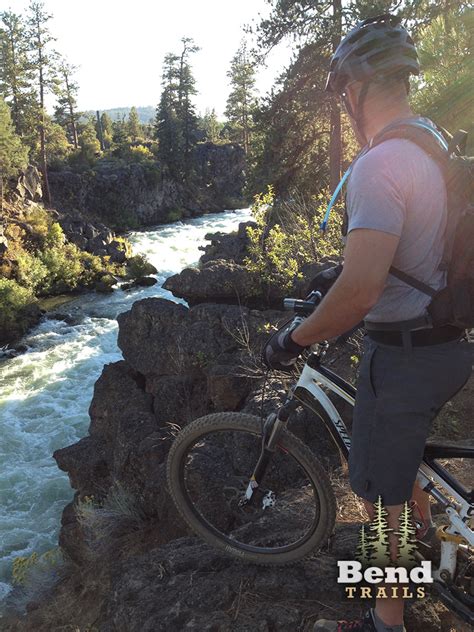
<point>144,113</point>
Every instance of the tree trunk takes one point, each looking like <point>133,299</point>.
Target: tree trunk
<point>335,149</point>
<point>99,129</point>
<point>44,165</point>
<point>72,118</point>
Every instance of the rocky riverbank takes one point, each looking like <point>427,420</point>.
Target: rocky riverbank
<point>45,252</point>
<point>131,195</point>
<point>130,564</point>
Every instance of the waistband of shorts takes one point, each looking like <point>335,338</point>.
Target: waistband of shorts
<point>418,338</point>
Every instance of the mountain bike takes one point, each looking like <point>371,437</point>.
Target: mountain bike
<point>251,488</point>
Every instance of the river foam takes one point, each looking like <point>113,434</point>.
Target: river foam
<point>45,393</point>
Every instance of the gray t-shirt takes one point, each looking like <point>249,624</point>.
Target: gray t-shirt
<point>398,189</point>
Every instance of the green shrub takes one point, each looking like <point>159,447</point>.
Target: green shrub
<point>31,271</point>
<point>39,220</point>
<point>64,268</point>
<point>14,303</point>
<point>287,236</point>
<point>55,236</point>
<point>13,297</point>
<point>139,266</point>
<point>139,153</point>
<point>92,268</point>
<point>23,566</point>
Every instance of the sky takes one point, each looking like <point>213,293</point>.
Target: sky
<point>119,46</point>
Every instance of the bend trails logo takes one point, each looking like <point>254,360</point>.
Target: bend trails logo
<point>373,574</point>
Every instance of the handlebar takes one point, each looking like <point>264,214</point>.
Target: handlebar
<point>303,307</point>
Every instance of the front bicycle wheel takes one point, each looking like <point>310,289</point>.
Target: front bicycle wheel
<point>292,513</point>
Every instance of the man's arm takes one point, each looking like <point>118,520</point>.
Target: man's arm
<point>368,256</point>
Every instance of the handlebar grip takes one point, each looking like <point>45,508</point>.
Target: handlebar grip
<point>289,304</point>
<point>304,308</point>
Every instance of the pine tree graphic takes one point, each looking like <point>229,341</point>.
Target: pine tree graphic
<point>364,549</point>
<point>378,538</point>
<point>406,538</point>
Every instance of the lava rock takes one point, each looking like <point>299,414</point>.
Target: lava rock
<point>219,281</point>
<point>145,281</point>
<point>29,184</point>
<point>127,195</point>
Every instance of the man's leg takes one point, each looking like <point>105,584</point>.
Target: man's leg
<point>389,611</point>
<point>422,506</point>
<point>398,395</point>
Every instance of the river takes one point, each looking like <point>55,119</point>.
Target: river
<point>45,392</point>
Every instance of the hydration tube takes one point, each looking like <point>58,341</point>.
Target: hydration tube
<point>337,191</point>
<point>335,195</point>
<point>439,137</point>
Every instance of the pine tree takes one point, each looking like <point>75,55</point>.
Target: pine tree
<point>120,138</point>
<point>43,66</point>
<point>89,142</point>
<point>133,124</point>
<point>446,55</point>
<point>316,27</point>
<point>167,123</point>
<point>378,537</point>
<point>107,129</point>
<point>16,74</point>
<point>407,545</point>
<point>66,92</point>
<point>13,155</point>
<point>241,103</point>
<point>186,111</point>
<point>210,126</point>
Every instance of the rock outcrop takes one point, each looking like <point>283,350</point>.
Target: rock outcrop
<point>94,237</point>
<point>227,246</point>
<point>131,195</point>
<point>223,276</point>
<point>131,563</point>
<point>223,281</point>
<point>29,185</point>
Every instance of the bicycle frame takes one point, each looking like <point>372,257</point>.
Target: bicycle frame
<point>457,501</point>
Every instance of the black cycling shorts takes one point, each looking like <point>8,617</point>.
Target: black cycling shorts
<point>399,393</point>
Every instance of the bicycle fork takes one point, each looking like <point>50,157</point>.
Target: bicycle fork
<point>272,430</point>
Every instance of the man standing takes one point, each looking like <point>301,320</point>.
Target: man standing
<point>397,215</point>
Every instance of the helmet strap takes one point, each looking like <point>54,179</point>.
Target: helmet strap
<point>358,115</point>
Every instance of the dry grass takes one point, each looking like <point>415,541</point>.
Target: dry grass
<point>350,508</point>
<point>104,523</point>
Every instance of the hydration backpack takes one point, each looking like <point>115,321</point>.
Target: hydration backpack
<point>454,304</point>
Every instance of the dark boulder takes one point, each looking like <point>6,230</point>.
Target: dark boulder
<point>145,281</point>
<point>219,281</point>
<point>227,246</point>
<point>29,185</point>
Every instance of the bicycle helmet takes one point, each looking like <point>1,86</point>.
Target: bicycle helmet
<point>378,46</point>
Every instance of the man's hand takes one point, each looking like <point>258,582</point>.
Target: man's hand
<point>325,279</point>
<point>281,352</point>
<point>367,259</point>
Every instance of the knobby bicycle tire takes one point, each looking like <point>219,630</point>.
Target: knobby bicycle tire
<point>297,449</point>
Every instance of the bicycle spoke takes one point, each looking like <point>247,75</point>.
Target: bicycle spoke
<point>284,510</point>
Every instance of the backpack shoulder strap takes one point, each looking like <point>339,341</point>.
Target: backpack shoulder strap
<point>428,138</point>
<point>435,144</point>
<point>409,280</point>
